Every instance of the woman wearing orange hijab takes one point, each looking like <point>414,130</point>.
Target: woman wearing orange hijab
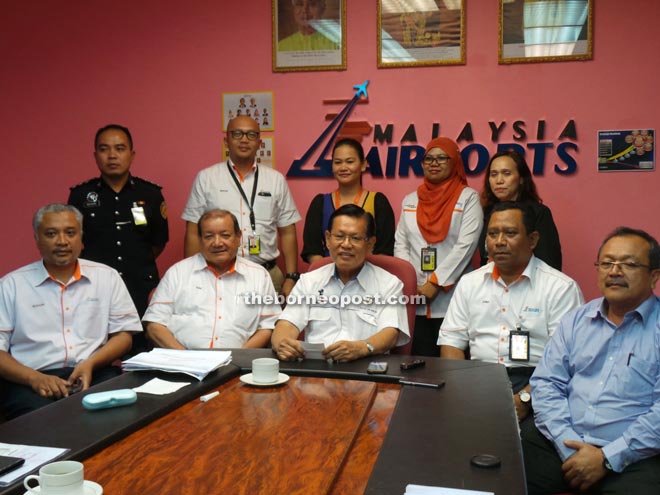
<point>438,233</point>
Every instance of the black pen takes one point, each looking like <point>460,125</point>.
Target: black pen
<point>419,384</point>
<point>629,356</point>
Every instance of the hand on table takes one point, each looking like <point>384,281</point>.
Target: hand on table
<point>346,350</point>
<point>289,350</point>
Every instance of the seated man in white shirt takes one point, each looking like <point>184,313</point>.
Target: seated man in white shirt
<point>63,320</point>
<point>213,299</point>
<point>506,311</point>
<point>351,306</point>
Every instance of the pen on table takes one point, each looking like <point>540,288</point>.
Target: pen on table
<point>629,356</point>
<point>419,384</point>
<point>208,397</point>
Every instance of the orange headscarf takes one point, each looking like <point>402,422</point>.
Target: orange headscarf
<point>437,201</point>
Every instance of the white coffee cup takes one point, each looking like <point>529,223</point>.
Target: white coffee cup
<point>58,478</point>
<point>265,370</point>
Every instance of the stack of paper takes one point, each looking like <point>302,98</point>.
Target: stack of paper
<point>34,457</point>
<point>193,363</point>
<point>433,490</point>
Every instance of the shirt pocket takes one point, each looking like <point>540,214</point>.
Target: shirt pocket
<point>320,314</point>
<point>368,317</point>
<point>638,380</point>
<point>264,209</point>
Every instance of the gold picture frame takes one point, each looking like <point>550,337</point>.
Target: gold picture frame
<point>551,31</point>
<point>309,35</point>
<point>416,33</point>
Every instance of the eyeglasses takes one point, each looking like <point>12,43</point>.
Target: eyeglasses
<point>238,135</point>
<point>626,266</point>
<point>440,159</point>
<point>352,239</point>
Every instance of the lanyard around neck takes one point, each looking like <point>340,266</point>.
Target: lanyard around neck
<point>250,203</point>
<point>356,200</point>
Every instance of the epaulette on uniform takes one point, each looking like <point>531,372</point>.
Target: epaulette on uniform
<point>86,183</point>
<point>144,181</point>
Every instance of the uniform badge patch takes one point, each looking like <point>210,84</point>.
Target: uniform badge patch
<point>92,199</point>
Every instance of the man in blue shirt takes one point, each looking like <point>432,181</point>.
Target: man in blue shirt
<point>596,391</point>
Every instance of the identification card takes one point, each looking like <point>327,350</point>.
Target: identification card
<point>519,345</point>
<point>429,259</point>
<point>139,218</point>
<point>254,244</point>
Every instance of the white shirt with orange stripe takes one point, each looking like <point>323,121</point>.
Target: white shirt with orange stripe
<point>204,310</point>
<point>484,310</point>
<point>453,254</point>
<point>273,204</point>
<point>45,324</point>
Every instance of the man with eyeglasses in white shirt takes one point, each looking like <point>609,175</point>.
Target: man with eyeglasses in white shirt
<point>596,391</point>
<point>354,308</point>
<point>257,195</point>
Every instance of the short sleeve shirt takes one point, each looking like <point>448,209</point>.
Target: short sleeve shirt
<point>47,325</point>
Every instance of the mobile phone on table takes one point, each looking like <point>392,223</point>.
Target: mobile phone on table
<point>8,463</point>
<point>376,368</point>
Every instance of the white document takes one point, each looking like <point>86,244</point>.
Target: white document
<point>194,363</point>
<point>436,490</point>
<point>313,351</point>
<point>34,457</point>
<point>156,386</point>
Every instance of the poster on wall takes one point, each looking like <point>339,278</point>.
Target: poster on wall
<point>265,155</point>
<point>548,31</point>
<point>258,105</point>
<point>421,33</point>
<point>628,150</point>
<point>309,35</point>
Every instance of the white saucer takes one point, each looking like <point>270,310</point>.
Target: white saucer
<point>91,488</point>
<point>281,378</point>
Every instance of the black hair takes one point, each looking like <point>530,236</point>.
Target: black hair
<point>217,213</point>
<point>113,127</point>
<point>654,248</point>
<point>528,216</point>
<point>353,143</point>
<point>527,189</point>
<point>354,211</point>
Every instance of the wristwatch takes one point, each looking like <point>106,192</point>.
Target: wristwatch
<point>293,276</point>
<point>525,397</point>
<point>370,347</point>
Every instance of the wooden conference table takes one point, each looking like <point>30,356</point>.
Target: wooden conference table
<point>331,429</point>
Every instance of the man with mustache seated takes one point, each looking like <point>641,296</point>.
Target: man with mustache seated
<point>596,390</point>
<point>206,301</point>
<point>506,311</point>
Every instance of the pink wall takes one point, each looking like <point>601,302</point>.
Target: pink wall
<point>160,66</point>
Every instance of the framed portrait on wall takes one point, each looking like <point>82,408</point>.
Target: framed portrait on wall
<point>309,35</point>
<point>258,105</point>
<point>548,31</point>
<point>413,33</point>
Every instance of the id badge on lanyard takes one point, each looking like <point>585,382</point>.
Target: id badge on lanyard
<point>519,345</point>
<point>429,259</point>
<point>139,216</point>
<point>254,244</point>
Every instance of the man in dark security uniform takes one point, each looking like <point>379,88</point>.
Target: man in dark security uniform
<point>125,218</point>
